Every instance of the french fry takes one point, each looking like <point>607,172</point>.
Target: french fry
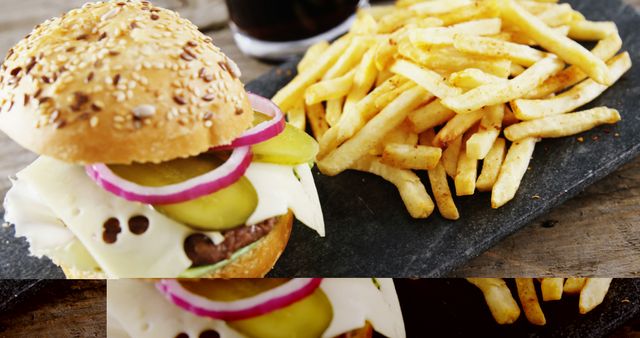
<point>430,115</point>
<point>536,7</point>
<point>442,193</point>
<point>450,156</point>
<point>491,165</point>
<point>472,11</point>
<point>351,56</point>
<point>471,78</point>
<point>364,24</point>
<point>513,169</point>
<point>316,116</point>
<point>516,69</point>
<point>497,295</point>
<point>500,93</point>
<point>406,156</point>
<point>412,191</point>
<point>593,293</point>
<point>296,115</point>
<point>557,16</point>
<point>562,125</point>
<point>355,119</point>
<point>445,35</point>
<point>334,110</point>
<point>427,8</point>
<point>574,285</point>
<point>286,97</point>
<point>604,50</point>
<point>591,30</point>
<point>529,301</point>
<point>329,89</point>
<point>357,146</point>
<point>567,49</point>
<point>551,288</point>
<point>312,55</point>
<point>377,11</point>
<point>466,173</point>
<point>363,79</point>
<point>402,135</point>
<point>454,62</point>
<point>457,126</point>
<point>579,95</point>
<point>431,81</point>
<point>489,47</point>
<point>480,143</point>
<point>393,20</point>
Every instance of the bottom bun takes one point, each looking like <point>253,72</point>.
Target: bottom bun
<point>365,332</point>
<point>255,263</point>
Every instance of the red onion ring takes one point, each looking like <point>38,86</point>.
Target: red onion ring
<point>264,130</point>
<point>260,304</point>
<point>225,175</point>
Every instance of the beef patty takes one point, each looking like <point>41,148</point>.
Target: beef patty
<point>202,251</point>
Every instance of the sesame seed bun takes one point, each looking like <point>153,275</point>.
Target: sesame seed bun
<point>118,82</point>
<point>255,263</point>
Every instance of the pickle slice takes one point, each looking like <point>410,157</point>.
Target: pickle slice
<point>292,146</point>
<point>224,209</point>
<point>307,318</point>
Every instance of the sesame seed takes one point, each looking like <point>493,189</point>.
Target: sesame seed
<point>208,124</point>
<point>60,124</point>
<point>32,63</point>
<point>120,96</point>
<point>118,118</point>
<point>154,16</point>
<point>116,79</point>
<point>102,36</point>
<point>89,77</point>
<point>26,99</point>
<point>54,116</point>
<point>209,97</point>
<point>79,99</point>
<point>82,37</point>
<point>144,110</point>
<point>179,99</point>
<point>15,71</point>
<point>186,57</point>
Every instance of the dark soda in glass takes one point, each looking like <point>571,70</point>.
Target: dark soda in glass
<point>276,29</point>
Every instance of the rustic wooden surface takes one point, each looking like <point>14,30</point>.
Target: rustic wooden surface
<point>596,233</point>
<point>64,308</point>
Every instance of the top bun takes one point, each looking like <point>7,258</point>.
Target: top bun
<point>118,82</point>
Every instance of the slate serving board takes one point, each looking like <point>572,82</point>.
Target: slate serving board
<point>369,232</point>
<point>457,308</point>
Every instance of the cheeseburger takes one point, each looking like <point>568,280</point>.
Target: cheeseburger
<point>155,162</point>
<point>254,308</point>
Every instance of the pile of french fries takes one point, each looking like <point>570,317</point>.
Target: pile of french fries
<point>504,307</point>
<point>458,88</point>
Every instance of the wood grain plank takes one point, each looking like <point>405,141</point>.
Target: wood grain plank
<point>63,308</point>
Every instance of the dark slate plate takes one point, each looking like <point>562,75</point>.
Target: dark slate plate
<point>458,308</point>
<point>13,292</point>
<point>369,231</point>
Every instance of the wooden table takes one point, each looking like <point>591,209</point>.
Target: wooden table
<point>63,308</point>
<point>596,233</point>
